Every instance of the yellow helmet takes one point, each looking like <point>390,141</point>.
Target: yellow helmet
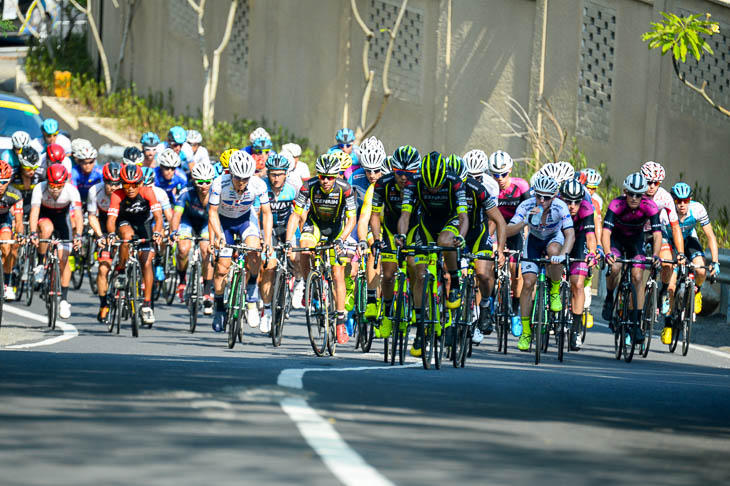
<point>345,159</point>
<point>225,157</point>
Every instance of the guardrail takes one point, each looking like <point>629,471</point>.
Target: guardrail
<point>724,260</point>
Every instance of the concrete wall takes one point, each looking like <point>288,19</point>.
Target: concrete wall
<point>298,63</point>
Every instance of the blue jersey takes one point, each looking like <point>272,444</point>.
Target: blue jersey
<point>696,214</point>
<point>11,158</point>
<point>359,182</point>
<point>174,186</point>
<point>191,206</point>
<point>84,182</point>
<point>281,205</point>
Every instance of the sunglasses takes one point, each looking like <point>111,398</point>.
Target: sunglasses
<point>50,134</point>
<point>205,182</point>
<point>241,179</point>
<point>323,177</point>
<point>404,171</point>
<point>574,202</point>
<point>654,183</point>
<point>31,169</point>
<point>132,184</point>
<point>4,181</point>
<point>499,176</point>
<point>683,201</point>
<point>168,168</point>
<point>86,162</point>
<point>112,183</point>
<point>543,197</point>
<point>149,149</point>
<point>261,151</point>
<point>173,144</point>
<point>372,171</point>
<point>345,145</point>
<point>634,195</point>
<point>56,186</point>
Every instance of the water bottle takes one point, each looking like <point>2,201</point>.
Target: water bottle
<point>536,219</point>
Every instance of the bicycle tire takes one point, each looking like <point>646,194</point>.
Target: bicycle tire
<point>458,347</point>
<point>2,294</point>
<point>398,313</point>
<point>314,313</point>
<point>677,322</point>
<point>77,276</point>
<point>331,319</point>
<point>92,267</point>
<point>565,325</point>
<point>170,282</point>
<point>406,316</point>
<point>20,264</point>
<point>538,315</point>
<point>617,317</point>
<point>506,312</point>
<point>230,322</point>
<point>112,315</point>
<point>628,329</point>
<point>193,297</point>
<point>132,289</point>
<point>427,329</point>
<point>278,308</point>
<point>438,342</point>
<point>55,295</point>
<point>242,317</point>
<point>687,321</point>
<point>121,305</point>
<point>648,319</point>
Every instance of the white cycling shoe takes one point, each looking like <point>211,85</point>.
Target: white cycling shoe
<point>9,292</point>
<point>252,314</point>
<point>298,295</point>
<point>64,310</point>
<point>265,325</point>
<point>477,337</point>
<point>148,315</point>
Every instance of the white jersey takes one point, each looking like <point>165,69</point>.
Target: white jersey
<point>97,199</point>
<point>61,140</point>
<point>667,209</point>
<point>492,186</point>
<point>232,204</point>
<point>301,170</point>
<point>69,198</point>
<point>200,155</point>
<point>294,179</point>
<point>597,202</point>
<point>162,198</point>
<point>557,220</point>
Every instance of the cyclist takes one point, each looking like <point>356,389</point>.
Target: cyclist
<point>50,132</point>
<point>345,139</point>
<point>86,173</point>
<point>654,174</point>
<point>439,198</point>
<point>623,226</point>
<point>97,207</point>
<point>19,139</point>
<point>513,191</point>
<point>56,208</point>
<point>200,153</point>
<point>292,178</point>
<point>133,210</point>
<point>298,167</point>
<point>482,211</point>
<point>690,213</point>
<point>230,213</point>
<point>191,219</point>
<point>148,180</point>
<point>133,155</point>
<point>281,199</point>
<point>224,159</point>
<point>177,141</point>
<point>551,233</point>
<point>11,221</point>
<point>29,175</point>
<point>591,179</point>
<point>330,205</point>
<point>477,165</point>
<point>149,142</point>
<point>260,150</point>
<point>572,193</point>
<point>386,210</point>
<point>55,154</point>
<point>168,175</point>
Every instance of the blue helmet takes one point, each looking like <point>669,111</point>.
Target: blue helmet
<point>50,126</point>
<point>681,190</point>
<point>177,134</point>
<point>262,143</point>
<point>218,168</point>
<point>277,162</point>
<point>345,136</point>
<point>149,139</point>
<point>148,176</point>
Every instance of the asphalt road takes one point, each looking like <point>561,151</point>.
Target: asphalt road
<point>171,407</point>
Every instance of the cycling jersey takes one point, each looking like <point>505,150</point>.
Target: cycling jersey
<point>511,197</point>
<point>173,186</point>
<point>332,207</point>
<point>282,206</point>
<point>68,199</point>
<point>597,202</point>
<point>98,202</point>
<point>358,180</point>
<point>584,224</point>
<point>84,182</point>
<point>135,211</point>
<point>188,203</point>
<point>695,214</point>
<point>388,199</point>
<point>200,155</point>
<point>26,191</point>
<point>233,205</point>
<point>66,163</point>
<point>667,209</point>
<point>623,221</point>
<point>301,170</point>
<point>478,202</point>
<point>446,203</point>
<point>162,198</point>
<point>11,204</point>
<point>557,218</point>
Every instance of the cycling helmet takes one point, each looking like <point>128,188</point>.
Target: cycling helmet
<point>590,177</point>
<point>458,167</point>
<point>225,157</point>
<point>681,190</point>
<point>6,172</point>
<point>29,158</point>
<point>477,162</point>
<point>406,158</point>
<point>561,171</point>
<point>572,190</point>
<point>131,174</point>
<point>345,136</point>
<point>148,176</point>
<point>387,165</point>
<point>133,155</point>
<point>636,183</point>
<point>85,153</point>
<point>433,170</point>
<point>372,153</point>
<point>218,167</point>
<point>20,139</point>
<point>202,171</point>
<point>56,174</point>
<point>328,164</point>
<point>111,172</point>
<point>293,149</point>
<point>194,137</point>
<point>288,156</point>
<point>168,158</point>
<point>262,143</point>
<point>260,132</point>
<point>55,153</point>
<point>545,185</point>
<point>50,126</point>
<point>653,172</point>
<point>277,162</point>
<point>149,139</point>
<point>77,144</point>
<point>177,134</point>
<point>500,162</point>
<point>344,158</point>
<point>241,164</point>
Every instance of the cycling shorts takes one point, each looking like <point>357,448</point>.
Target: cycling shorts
<point>314,233</point>
<point>238,229</point>
<point>143,231</point>
<point>188,229</point>
<point>478,240</point>
<point>6,220</point>
<point>536,248</point>
<point>579,252</point>
<point>629,249</point>
<point>692,248</point>
<point>427,234</point>
<point>515,243</point>
<point>61,222</point>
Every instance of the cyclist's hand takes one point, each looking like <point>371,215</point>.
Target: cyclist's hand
<point>459,241</point>
<point>111,238</point>
<point>34,238</point>
<point>681,258</point>
<point>172,237</point>
<point>610,258</point>
<point>591,259</point>
<point>363,245</point>
<point>656,261</point>
<point>557,259</point>
<point>714,269</point>
<point>157,237</point>
<point>399,239</point>
<point>339,246</point>
<point>500,259</point>
<point>599,251</point>
<point>77,242</point>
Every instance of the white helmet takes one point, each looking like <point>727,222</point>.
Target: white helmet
<point>241,164</point>
<point>636,183</point>
<point>293,149</point>
<point>500,162</point>
<point>544,184</point>
<point>86,152</point>
<point>20,139</point>
<point>286,153</point>
<point>194,137</point>
<point>260,132</point>
<point>169,158</point>
<point>560,171</point>
<point>202,171</point>
<point>653,171</point>
<point>77,144</point>
<point>476,162</point>
<point>372,153</point>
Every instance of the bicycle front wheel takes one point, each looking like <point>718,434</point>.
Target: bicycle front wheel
<point>461,331</point>
<point>539,320</point>
<point>278,308</point>
<point>133,298</point>
<point>193,292</point>
<point>77,276</point>
<point>54,296</point>
<point>169,286</point>
<point>648,319</point>
<point>565,324</point>
<point>687,321</point>
<point>427,326</point>
<point>316,313</point>
<point>629,336</point>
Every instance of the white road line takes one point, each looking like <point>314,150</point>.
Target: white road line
<point>346,464</point>
<point>69,331</point>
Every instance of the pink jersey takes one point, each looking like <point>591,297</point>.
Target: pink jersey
<point>512,196</point>
<point>623,221</point>
<point>583,220</point>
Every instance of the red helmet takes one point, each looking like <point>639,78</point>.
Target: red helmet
<point>6,172</point>
<point>55,153</point>
<point>56,173</point>
<point>131,173</point>
<point>111,172</point>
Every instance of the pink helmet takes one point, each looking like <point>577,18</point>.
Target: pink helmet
<point>653,172</point>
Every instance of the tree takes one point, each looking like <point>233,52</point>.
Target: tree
<point>211,71</point>
<point>683,35</point>
<point>363,129</point>
<point>128,17</point>
<point>97,39</point>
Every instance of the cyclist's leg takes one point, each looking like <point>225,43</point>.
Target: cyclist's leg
<point>515,243</point>
<point>534,248</point>
<point>207,266</point>
<point>267,275</point>
<point>6,233</point>
<point>185,231</point>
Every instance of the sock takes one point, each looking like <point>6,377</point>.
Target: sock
<point>252,279</point>
<point>147,303</point>
<point>220,306</point>
<point>388,306</point>
<point>102,300</point>
<point>7,278</point>
<point>515,304</point>
<point>577,320</point>
<point>484,302</point>
<point>181,276</point>
<point>526,325</point>
<point>64,293</point>
<point>454,278</point>
<point>341,317</point>
<point>372,296</point>
<point>207,287</point>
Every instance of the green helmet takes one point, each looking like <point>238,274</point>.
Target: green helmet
<point>458,167</point>
<point>433,170</point>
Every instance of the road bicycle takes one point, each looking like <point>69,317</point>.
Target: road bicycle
<point>650,312</point>
<point>50,290</point>
<point>281,302</point>
<point>401,313</point>
<point>126,287</point>
<point>365,327</point>
<point>193,296</point>
<point>85,260</point>
<point>236,294</point>
<point>503,311</point>
<point>167,289</point>
<point>683,314</point>
<point>622,324</point>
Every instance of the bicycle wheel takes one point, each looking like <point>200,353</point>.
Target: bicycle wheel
<point>538,320</point>
<point>397,318</point>
<point>241,319</point>
<point>677,322</point>
<point>617,317</point>
<point>427,323</point>
<point>565,324</point>
<point>19,273</point>
<point>121,306</point>
<point>461,324</point>
<point>169,287</point>
<point>193,293</point>
<point>112,315</point>
<point>77,275</point>
<point>28,271</point>
<point>648,319</point>
<point>405,316</point>
<point>629,328</point>
<point>233,309</point>
<point>92,266</point>
<point>331,319</point>
<point>505,312</point>
<point>133,298</point>
<point>2,294</point>
<point>315,313</point>
<point>687,321</point>
<point>54,296</point>
<point>439,339</point>
<point>278,307</point>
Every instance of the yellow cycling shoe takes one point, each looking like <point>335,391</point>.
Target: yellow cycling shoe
<point>385,328</point>
<point>667,335</point>
<point>454,300</point>
<point>524,343</point>
<point>555,304</point>
<point>416,348</point>
<point>698,302</point>
<point>588,320</point>
<point>371,311</point>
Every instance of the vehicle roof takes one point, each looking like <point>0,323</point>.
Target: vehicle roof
<point>8,100</point>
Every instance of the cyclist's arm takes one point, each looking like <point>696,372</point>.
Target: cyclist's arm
<point>95,225</point>
<point>214,224</point>
<point>293,224</point>
<point>375,225</point>
<point>712,241</point>
<point>677,237</point>
<point>35,208</point>
<point>403,221</point>
<point>268,221</point>
<point>18,215</point>
<point>367,209</point>
<point>569,240</point>
<point>176,217</point>
<point>159,226</point>
<point>495,216</point>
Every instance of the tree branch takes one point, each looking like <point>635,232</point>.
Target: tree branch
<point>389,54</point>
<point>99,45</point>
<point>368,33</point>
<point>213,88</point>
<point>702,90</point>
